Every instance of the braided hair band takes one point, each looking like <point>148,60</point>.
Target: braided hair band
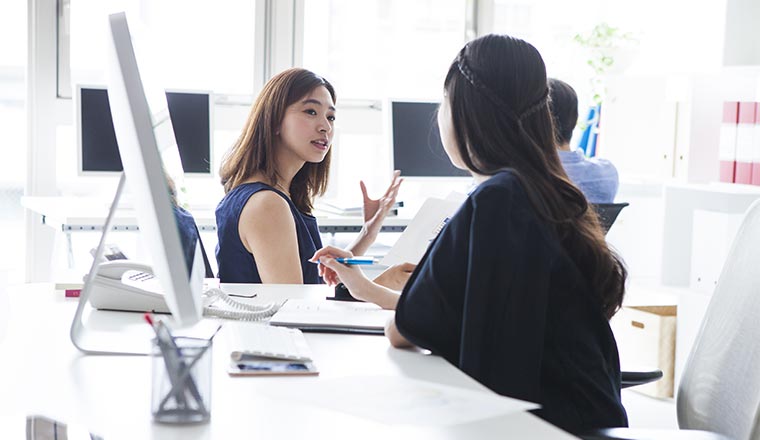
<point>472,78</point>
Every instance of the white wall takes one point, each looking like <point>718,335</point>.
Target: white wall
<point>742,45</point>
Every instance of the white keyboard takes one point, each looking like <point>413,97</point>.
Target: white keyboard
<point>263,340</point>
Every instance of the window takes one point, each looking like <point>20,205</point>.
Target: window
<point>659,48</point>
<point>383,48</point>
<point>372,51</point>
<point>204,44</point>
<point>13,128</point>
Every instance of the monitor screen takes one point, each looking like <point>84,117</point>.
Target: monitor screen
<point>190,113</point>
<point>417,148</point>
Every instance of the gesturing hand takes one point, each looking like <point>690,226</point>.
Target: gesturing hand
<point>375,210</point>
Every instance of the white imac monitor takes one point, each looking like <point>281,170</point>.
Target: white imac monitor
<point>149,154</point>
<point>416,142</point>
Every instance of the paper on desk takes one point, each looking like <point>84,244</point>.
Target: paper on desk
<point>399,400</point>
<point>424,227</point>
<point>331,314</point>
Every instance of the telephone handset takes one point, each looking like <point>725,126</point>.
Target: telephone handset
<point>131,286</point>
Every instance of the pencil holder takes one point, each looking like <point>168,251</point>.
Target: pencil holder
<point>181,379</point>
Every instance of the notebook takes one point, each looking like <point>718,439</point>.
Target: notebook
<point>332,316</point>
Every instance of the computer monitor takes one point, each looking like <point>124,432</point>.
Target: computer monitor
<point>416,143</point>
<point>98,152</point>
<point>149,153</point>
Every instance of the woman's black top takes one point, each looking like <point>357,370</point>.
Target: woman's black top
<point>497,296</point>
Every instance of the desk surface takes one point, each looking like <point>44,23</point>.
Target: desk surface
<point>71,214</point>
<point>42,373</point>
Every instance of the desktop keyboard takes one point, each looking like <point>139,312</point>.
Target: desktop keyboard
<point>263,340</point>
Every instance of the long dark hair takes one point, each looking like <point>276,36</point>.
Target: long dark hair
<point>498,94</point>
<point>254,150</point>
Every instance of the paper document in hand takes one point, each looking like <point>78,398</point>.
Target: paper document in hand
<point>316,315</point>
<point>399,400</point>
<point>422,230</point>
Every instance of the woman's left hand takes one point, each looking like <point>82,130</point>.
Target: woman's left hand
<point>375,210</point>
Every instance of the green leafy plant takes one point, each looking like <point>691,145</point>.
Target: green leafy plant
<point>602,44</point>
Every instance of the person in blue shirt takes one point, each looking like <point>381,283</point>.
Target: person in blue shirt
<point>271,176</point>
<point>597,178</point>
<point>518,287</point>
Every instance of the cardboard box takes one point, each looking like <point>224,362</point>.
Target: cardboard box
<point>646,338</point>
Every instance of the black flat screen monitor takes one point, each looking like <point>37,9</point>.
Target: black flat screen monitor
<point>190,114</point>
<point>417,148</point>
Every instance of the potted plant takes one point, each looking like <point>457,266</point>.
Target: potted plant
<point>609,50</point>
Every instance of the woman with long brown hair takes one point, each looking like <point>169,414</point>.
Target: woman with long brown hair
<point>271,176</point>
<point>518,287</point>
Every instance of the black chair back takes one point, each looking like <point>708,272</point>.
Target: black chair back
<point>607,213</point>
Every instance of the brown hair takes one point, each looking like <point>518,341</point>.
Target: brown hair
<point>254,150</point>
<point>497,90</point>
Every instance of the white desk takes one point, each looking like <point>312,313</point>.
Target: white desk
<point>71,214</point>
<point>79,214</point>
<point>42,373</point>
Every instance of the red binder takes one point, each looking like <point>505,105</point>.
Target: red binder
<point>727,147</point>
<point>756,147</point>
<point>744,136</point>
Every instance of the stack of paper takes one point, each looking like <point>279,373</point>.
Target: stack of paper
<point>333,207</point>
<point>332,316</point>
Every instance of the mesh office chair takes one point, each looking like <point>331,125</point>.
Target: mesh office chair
<point>720,387</point>
<point>608,213</point>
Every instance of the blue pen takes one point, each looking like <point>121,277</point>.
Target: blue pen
<point>357,260</point>
<point>354,261</point>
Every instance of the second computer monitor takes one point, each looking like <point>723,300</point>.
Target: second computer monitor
<point>417,148</point>
<point>190,112</point>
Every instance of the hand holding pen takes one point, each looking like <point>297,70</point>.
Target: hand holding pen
<point>355,261</point>
<point>359,286</point>
<point>333,271</point>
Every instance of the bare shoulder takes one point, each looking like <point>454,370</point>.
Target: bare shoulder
<point>265,205</point>
<point>266,212</point>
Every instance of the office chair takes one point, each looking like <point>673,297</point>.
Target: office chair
<point>720,387</point>
<point>630,378</point>
<point>607,213</point>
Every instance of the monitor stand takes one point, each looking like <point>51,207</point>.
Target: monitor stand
<point>108,332</point>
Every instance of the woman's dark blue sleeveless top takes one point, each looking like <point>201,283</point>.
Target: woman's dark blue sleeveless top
<point>236,264</point>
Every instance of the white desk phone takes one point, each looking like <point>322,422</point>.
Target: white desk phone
<point>131,286</point>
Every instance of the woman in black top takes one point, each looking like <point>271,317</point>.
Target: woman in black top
<point>518,287</point>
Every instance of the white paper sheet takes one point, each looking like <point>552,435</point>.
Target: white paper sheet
<point>424,227</point>
<point>331,315</point>
<point>399,400</point>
